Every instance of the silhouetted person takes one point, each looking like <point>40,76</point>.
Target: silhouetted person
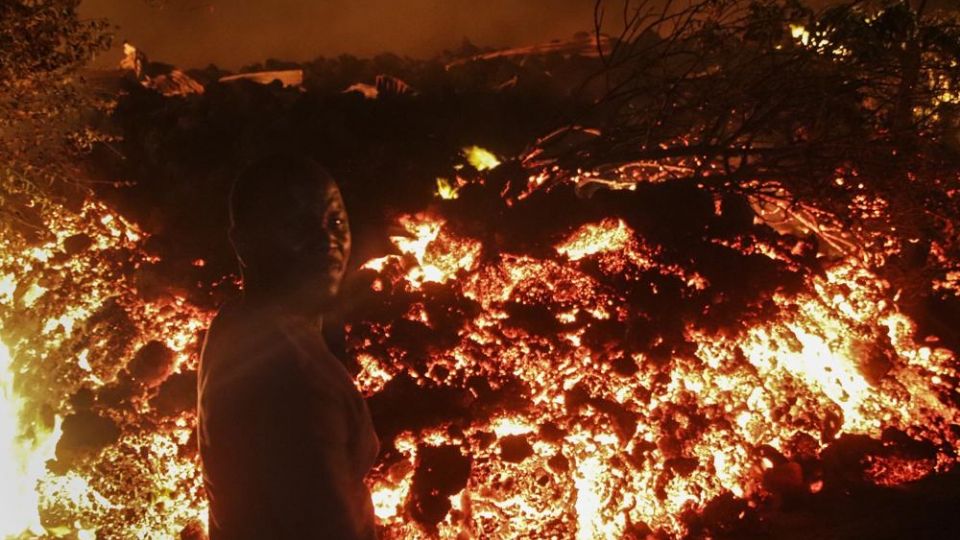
<point>285,437</point>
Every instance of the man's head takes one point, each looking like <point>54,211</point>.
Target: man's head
<point>289,228</point>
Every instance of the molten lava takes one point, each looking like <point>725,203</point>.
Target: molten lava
<point>568,392</point>
<point>73,313</point>
<point>608,438</point>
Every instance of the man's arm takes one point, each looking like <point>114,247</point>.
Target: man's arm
<point>303,466</point>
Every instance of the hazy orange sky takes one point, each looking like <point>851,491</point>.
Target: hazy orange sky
<point>231,33</point>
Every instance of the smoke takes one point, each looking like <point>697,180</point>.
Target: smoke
<point>231,33</point>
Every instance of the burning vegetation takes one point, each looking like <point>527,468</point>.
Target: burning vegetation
<point>716,302</point>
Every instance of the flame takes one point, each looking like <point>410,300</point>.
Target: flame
<point>391,491</point>
<point>800,33</point>
<point>588,482</point>
<point>606,236</point>
<point>481,158</point>
<point>437,256</point>
<point>22,458</point>
<point>446,190</point>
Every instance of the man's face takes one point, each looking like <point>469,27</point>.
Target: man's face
<point>303,248</point>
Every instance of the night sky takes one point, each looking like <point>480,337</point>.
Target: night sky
<point>231,33</point>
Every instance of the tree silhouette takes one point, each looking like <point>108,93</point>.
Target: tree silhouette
<point>843,118</point>
<point>45,108</point>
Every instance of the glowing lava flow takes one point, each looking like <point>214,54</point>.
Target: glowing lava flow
<point>23,454</point>
<point>572,392</point>
<point>96,442</point>
<point>611,440</point>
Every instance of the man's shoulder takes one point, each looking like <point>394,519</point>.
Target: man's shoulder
<point>243,347</point>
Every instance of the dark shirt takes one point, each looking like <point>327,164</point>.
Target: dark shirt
<point>285,437</point>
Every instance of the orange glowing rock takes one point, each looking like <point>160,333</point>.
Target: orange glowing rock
<point>569,404</point>
<point>644,438</point>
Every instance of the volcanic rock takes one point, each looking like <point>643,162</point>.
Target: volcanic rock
<point>844,460</point>
<point>558,463</point>
<point>830,425</point>
<point>670,446</point>
<point>82,399</point>
<point>785,479</point>
<point>682,466</point>
<point>441,472</point>
<point>76,243</point>
<point>178,393</point>
<point>724,515</point>
<point>624,420</point>
<point>638,531</point>
<point>515,448</point>
<point>638,456</point>
<point>85,433</point>
<point>874,359</point>
<point>625,366</point>
<point>403,404</point>
<point>550,432</point>
<point>152,364</point>
<point>193,531</point>
<point>189,449</point>
<point>114,395</point>
<point>896,440</point>
<point>485,438</point>
<point>576,397</point>
<point>802,446</point>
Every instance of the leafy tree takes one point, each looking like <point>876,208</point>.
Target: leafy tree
<point>44,106</point>
<point>44,37</point>
<point>44,123</point>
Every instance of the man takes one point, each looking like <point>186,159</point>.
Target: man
<point>285,438</point>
